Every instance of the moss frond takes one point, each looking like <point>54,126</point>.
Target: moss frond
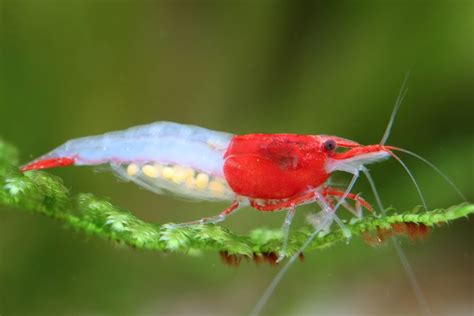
<point>40,192</point>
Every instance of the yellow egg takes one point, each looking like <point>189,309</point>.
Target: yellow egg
<point>150,171</point>
<point>217,187</point>
<point>168,172</point>
<point>132,169</point>
<point>179,175</point>
<point>202,180</point>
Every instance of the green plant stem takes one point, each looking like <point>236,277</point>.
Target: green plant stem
<point>40,192</point>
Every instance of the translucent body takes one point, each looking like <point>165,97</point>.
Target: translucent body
<point>185,160</point>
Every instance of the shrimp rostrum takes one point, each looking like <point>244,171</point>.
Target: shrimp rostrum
<point>269,172</point>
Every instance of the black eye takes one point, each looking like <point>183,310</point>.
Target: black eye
<point>330,145</point>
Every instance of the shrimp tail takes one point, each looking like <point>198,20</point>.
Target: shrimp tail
<point>80,151</point>
<point>48,163</point>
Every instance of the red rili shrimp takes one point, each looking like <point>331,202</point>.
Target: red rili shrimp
<point>269,172</point>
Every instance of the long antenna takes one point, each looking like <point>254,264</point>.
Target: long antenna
<point>420,194</point>
<point>401,96</point>
<point>430,164</point>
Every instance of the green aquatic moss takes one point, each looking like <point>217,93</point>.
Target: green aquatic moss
<point>43,193</point>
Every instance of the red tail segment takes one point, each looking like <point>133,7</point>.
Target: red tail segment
<point>49,163</point>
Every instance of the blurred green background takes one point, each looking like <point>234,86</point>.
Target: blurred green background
<point>76,68</point>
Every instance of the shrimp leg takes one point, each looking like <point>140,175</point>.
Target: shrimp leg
<point>327,207</point>
<point>322,197</point>
<point>286,232</point>
<point>212,219</point>
<point>357,210</point>
<point>308,198</point>
<point>328,191</point>
<point>267,207</point>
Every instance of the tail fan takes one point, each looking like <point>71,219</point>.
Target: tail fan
<point>48,163</point>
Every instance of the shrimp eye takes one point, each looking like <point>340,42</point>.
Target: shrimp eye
<point>330,145</point>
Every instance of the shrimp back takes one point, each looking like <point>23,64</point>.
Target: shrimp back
<point>181,159</point>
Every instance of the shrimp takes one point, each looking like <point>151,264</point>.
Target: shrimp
<point>269,172</point>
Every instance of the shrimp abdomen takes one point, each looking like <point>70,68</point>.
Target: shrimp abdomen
<point>191,158</point>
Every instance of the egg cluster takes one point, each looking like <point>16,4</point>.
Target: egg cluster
<point>179,175</point>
